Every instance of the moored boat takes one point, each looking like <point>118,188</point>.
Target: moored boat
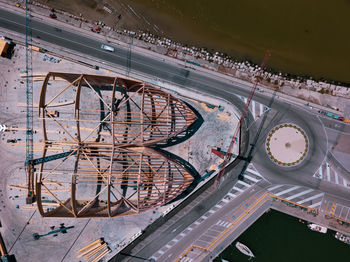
<point>317,228</point>
<point>343,238</point>
<point>244,249</point>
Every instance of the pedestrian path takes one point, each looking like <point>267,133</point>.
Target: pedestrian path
<point>338,211</point>
<point>257,109</point>
<point>251,177</point>
<point>327,173</point>
<point>298,194</point>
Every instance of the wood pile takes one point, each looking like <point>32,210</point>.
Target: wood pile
<point>94,251</point>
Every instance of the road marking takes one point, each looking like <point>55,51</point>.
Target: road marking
<point>161,252</point>
<point>310,198</point>
<point>299,194</point>
<point>231,195</point>
<point>344,182</point>
<point>167,246</point>
<point>287,190</point>
<point>328,172</point>
<point>176,240</point>
<point>243,183</point>
<point>211,211</point>
<point>196,223</point>
<point>253,109</point>
<point>225,200</point>
<point>253,172</point>
<point>251,178</point>
<point>320,171</point>
<point>182,234</point>
<point>316,204</point>
<point>261,109</point>
<point>218,222</point>
<point>238,189</point>
<point>204,217</point>
<point>336,177</point>
<point>189,228</point>
<point>217,206</point>
<point>274,187</point>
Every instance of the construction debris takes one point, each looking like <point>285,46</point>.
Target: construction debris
<point>94,251</point>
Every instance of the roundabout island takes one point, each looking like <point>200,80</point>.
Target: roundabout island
<point>287,145</point>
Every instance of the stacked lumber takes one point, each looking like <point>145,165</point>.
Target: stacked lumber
<point>94,251</point>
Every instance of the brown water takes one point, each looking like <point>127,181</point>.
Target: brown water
<point>305,37</point>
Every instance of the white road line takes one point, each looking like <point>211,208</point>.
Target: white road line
<point>344,182</point>
<point>253,172</point>
<point>310,198</point>
<point>222,223</point>
<point>251,178</point>
<point>261,109</point>
<point>328,172</point>
<point>167,246</point>
<point>182,234</point>
<point>299,194</point>
<point>176,240</point>
<point>320,171</point>
<point>189,228</point>
<point>204,217</point>
<point>253,109</point>
<point>231,195</point>
<point>243,183</point>
<point>196,223</point>
<point>217,206</point>
<point>225,200</point>
<point>336,177</point>
<point>274,187</point>
<point>211,211</point>
<point>316,204</point>
<point>238,189</point>
<point>287,190</point>
<point>218,222</point>
<point>161,252</point>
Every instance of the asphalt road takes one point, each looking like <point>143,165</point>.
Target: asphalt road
<point>189,78</point>
<point>281,112</point>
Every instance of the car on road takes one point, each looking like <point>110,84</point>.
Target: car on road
<point>107,48</point>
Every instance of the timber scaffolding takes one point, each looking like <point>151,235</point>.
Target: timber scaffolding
<point>106,138</point>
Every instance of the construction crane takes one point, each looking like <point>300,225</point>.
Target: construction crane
<point>30,162</point>
<point>228,154</point>
<point>29,122</point>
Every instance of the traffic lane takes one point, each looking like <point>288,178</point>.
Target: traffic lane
<point>223,213</point>
<point>302,173</point>
<point>123,57</point>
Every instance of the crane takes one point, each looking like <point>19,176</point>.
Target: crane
<point>30,162</point>
<point>228,154</point>
<point>29,99</point>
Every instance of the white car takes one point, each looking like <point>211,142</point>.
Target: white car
<point>107,48</point>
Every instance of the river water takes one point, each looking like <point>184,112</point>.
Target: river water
<point>277,237</point>
<point>305,37</point>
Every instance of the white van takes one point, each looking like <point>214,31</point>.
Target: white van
<point>107,48</point>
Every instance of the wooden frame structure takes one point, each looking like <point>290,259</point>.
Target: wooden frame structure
<point>106,125</point>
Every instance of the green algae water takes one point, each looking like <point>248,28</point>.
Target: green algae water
<point>277,237</point>
<point>310,38</point>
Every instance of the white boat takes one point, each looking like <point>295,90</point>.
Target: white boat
<point>343,238</point>
<point>244,249</point>
<point>317,228</point>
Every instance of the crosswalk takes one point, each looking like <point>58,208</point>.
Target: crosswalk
<point>298,194</point>
<point>327,173</point>
<point>257,109</point>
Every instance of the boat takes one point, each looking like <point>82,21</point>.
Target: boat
<point>317,228</point>
<point>343,238</point>
<point>244,249</point>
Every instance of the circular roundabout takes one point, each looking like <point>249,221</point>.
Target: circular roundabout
<point>287,145</point>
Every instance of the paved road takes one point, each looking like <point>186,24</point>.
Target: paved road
<point>280,112</point>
